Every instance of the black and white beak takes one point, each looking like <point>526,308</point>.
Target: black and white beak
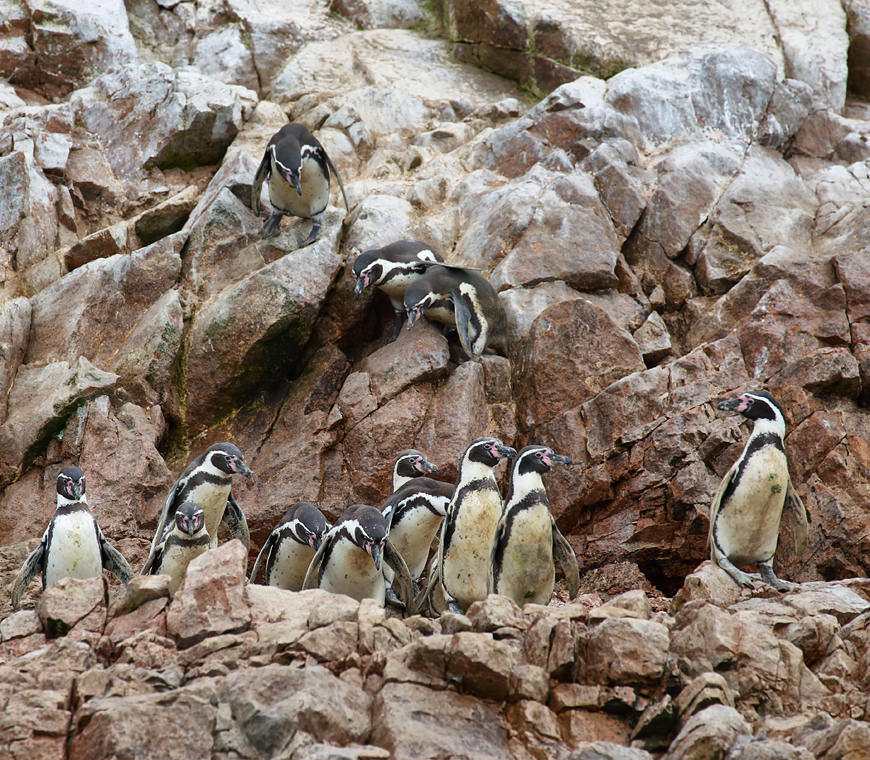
<point>375,548</point>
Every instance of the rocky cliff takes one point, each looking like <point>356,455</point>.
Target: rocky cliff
<point>673,201</point>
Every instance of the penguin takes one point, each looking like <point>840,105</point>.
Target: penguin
<point>468,529</point>
<point>73,546</point>
<point>349,561</point>
<point>460,298</point>
<point>291,546</point>
<point>207,481</point>
<point>297,168</point>
<point>184,543</point>
<point>746,510</point>
<point>391,269</point>
<point>414,510</point>
<point>527,540</point>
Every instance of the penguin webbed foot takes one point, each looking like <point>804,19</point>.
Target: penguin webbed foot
<point>271,227</point>
<point>769,577</point>
<point>313,235</point>
<point>396,328</point>
<point>391,598</point>
<point>454,607</point>
<point>737,575</point>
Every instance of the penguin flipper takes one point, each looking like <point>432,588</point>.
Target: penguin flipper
<point>264,552</point>
<point>796,519</point>
<point>114,561</point>
<point>493,555</point>
<point>152,564</point>
<point>423,602</point>
<point>716,504</point>
<point>166,516</point>
<point>263,171</point>
<point>449,265</point>
<point>564,554</point>
<point>312,575</point>
<point>469,332</point>
<point>236,522</point>
<point>402,584</point>
<point>337,176</point>
<point>31,567</point>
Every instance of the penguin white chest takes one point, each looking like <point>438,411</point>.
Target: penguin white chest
<point>75,549</point>
<point>315,191</point>
<point>212,497</point>
<point>288,566</point>
<point>412,538</point>
<point>176,559</point>
<point>527,572</point>
<point>747,525</point>
<point>351,571</point>
<point>466,559</point>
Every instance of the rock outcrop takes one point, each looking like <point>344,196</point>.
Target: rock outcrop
<point>672,208</point>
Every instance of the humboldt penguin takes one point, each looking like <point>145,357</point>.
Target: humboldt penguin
<point>468,529</point>
<point>746,511</point>
<point>349,561</point>
<point>414,510</point>
<point>73,546</point>
<point>184,543</point>
<point>291,546</point>
<point>460,298</point>
<point>297,168</point>
<point>392,269</point>
<point>207,481</point>
<point>527,540</point>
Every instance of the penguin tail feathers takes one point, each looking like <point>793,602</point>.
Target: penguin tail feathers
<point>338,177</point>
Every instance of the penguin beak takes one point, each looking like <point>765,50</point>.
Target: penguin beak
<point>559,459</point>
<point>506,451</point>
<point>314,541</point>
<point>292,178</point>
<point>426,466</point>
<point>241,468</point>
<point>77,488</point>
<point>731,405</point>
<point>375,550</point>
<point>361,284</point>
<point>413,314</point>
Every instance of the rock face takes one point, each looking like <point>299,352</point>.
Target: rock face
<point>672,210</point>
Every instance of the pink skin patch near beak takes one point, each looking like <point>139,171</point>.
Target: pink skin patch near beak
<point>545,458</point>
<point>745,403</point>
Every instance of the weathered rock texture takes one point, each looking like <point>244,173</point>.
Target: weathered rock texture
<point>673,201</point>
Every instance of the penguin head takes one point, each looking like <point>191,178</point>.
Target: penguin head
<point>309,524</point>
<point>538,459</point>
<point>189,518</point>
<point>367,269</point>
<point>368,530</point>
<point>412,463</point>
<point>227,458</point>
<point>287,157</point>
<point>488,451</point>
<point>755,405</point>
<point>71,484</point>
<point>418,297</point>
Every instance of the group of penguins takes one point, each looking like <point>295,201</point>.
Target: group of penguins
<point>484,545</point>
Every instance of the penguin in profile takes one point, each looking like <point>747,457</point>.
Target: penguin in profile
<point>73,546</point>
<point>349,561</point>
<point>297,168</point>
<point>291,546</point>
<point>392,269</point>
<point>467,532</point>
<point>746,511</point>
<point>207,482</point>
<point>460,298</point>
<point>527,540</point>
<point>184,543</point>
<point>414,510</point>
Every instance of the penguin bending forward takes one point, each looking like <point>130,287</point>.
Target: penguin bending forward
<point>183,544</point>
<point>746,511</point>
<point>462,562</point>
<point>291,546</point>
<point>73,546</point>
<point>392,269</point>
<point>349,559</point>
<point>414,510</point>
<point>297,168</point>
<point>207,482</point>
<point>464,299</point>
<point>527,540</point>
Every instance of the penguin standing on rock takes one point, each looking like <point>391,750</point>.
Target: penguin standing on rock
<point>527,540</point>
<point>467,532</point>
<point>291,546</point>
<point>349,561</point>
<point>184,543</point>
<point>463,299</point>
<point>297,168</point>
<point>414,510</point>
<point>746,511</point>
<point>73,546</point>
<point>207,481</point>
<point>392,269</point>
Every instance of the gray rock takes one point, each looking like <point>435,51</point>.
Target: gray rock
<point>608,751</point>
<point>383,14</point>
<point>709,734</point>
<point>14,334</point>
